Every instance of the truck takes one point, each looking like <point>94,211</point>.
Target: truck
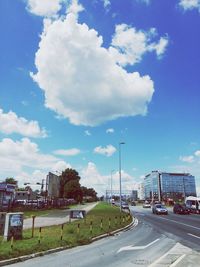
<point>193,203</point>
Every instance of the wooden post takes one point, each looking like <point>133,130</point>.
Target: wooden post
<point>61,236</point>
<point>33,225</point>
<point>39,237</point>
<point>91,227</point>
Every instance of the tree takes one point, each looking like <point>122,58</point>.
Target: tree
<point>69,181</point>
<point>11,180</point>
<point>89,192</point>
<point>73,190</point>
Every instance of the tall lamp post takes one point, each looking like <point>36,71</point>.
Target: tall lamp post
<point>120,178</point>
<point>111,184</point>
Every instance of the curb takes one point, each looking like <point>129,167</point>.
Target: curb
<point>58,249</point>
<point>114,232</point>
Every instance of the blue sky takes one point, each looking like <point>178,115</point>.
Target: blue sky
<point>78,77</point>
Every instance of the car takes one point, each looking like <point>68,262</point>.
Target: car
<point>146,204</point>
<point>159,209</point>
<point>133,203</point>
<point>181,209</point>
<point>125,205</point>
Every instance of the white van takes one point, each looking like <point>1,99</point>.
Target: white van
<point>193,203</point>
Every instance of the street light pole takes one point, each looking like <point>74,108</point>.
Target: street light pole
<point>111,184</point>
<point>120,178</point>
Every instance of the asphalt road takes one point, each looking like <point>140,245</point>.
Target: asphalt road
<point>184,228</point>
<point>154,241</point>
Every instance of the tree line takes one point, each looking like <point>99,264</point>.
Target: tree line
<point>70,186</point>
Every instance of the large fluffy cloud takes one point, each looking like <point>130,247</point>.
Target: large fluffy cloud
<point>81,80</point>
<point>11,123</point>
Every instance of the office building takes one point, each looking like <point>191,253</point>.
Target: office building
<point>162,186</point>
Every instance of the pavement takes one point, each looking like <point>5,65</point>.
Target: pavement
<point>56,217</point>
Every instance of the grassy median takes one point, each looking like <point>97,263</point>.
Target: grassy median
<point>102,219</point>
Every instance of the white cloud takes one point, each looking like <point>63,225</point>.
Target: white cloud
<point>75,8</point>
<point>23,161</point>
<point>79,76</point>
<point>91,177</point>
<point>190,4</point>
<point>32,178</point>
<point>60,166</point>
<point>106,3</point>
<point>23,154</point>
<point>45,8</point>
<point>68,152</point>
<point>145,1</point>
<point>197,153</point>
<point>11,123</point>
<point>188,159</point>
<point>108,151</point>
<point>110,130</point>
<point>130,44</point>
<point>87,133</point>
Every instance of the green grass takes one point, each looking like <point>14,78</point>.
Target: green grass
<point>102,219</point>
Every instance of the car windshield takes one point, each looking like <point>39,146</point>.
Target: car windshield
<point>160,206</point>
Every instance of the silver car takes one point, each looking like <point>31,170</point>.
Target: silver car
<point>159,209</point>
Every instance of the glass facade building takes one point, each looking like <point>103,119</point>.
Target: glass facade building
<point>163,185</point>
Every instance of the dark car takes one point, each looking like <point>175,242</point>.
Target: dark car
<point>181,209</point>
<point>133,203</point>
<point>159,209</point>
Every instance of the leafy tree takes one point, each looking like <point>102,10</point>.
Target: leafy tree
<point>11,180</point>
<point>89,192</point>
<point>70,179</point>
<point>73,190</point>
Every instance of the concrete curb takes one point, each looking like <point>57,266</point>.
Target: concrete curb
<point>50,251</point>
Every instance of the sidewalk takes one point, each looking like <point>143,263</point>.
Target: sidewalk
<point>57,217</point>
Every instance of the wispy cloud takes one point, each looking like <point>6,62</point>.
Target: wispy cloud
<point>190,4</point>
<point>87,132</point>
<point>67,152</point>
<point>110,130</point>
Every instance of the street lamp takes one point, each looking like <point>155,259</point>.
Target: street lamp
<point>120,178</point>
<point>111,184</point>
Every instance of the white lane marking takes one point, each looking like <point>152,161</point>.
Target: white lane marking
<point>137,247</point>
<point>194,235</point>
<point>181,223</point>
<point>178,260</point>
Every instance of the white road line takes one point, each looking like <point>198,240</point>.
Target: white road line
<point>194,235</point>
<point>137,247</point>
<point>178,260</point>
<point>181,223</point>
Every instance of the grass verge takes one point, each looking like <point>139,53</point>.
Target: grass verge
<point>102,219</point>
